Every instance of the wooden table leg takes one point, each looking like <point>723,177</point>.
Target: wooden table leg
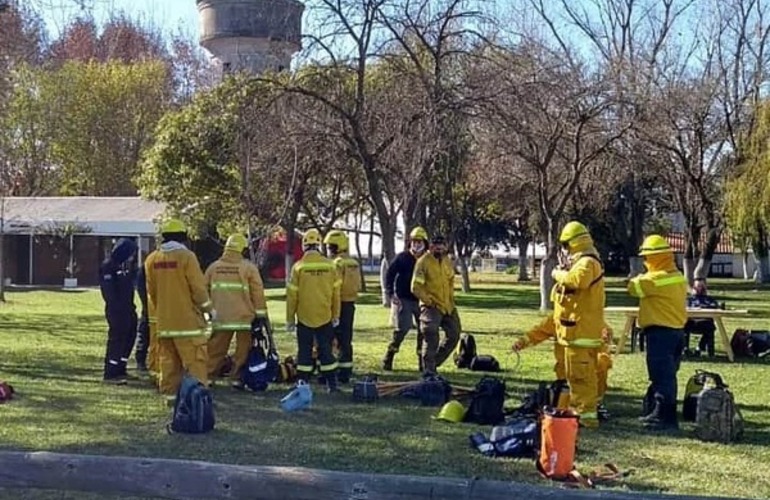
<point>725,339</point>
<point>626,332</point>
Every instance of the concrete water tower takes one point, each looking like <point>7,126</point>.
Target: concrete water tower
<point>251,35</point>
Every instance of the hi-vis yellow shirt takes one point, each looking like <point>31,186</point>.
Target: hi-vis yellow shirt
<point>351,277</point>
<point>433,282</point>
<point>237,292</point>
<point>313,294</point>
<point>176,291</point>
<point>662,298</point>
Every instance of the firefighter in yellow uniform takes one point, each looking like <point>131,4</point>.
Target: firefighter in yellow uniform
<point>578,319</point>
<point>337,245</point>
<point>662,293</point>
<point>238,294</point>
<point>547,330</point>
<point>313,309</point>
<point>177,291</point>
<point>433,284</point>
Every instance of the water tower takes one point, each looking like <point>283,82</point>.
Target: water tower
<point>251,35</point>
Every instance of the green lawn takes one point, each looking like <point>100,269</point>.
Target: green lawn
<point>53,344</point>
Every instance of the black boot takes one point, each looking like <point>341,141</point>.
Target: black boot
<point>648,403</point>
<point>387,361</point>
<point>667,420</point>
<point>655,413</point>
<point>343,375</point>
<point>331,383</point>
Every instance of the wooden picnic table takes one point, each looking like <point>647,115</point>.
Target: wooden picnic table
<point>631,313</point>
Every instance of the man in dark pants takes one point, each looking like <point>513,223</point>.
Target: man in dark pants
<point>433,284</point>
<point>662,293</point>
<point>405,307</point>
<point>313,309</point>
<point>116,280</point>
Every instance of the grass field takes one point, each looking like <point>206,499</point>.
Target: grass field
<point>52,346</point>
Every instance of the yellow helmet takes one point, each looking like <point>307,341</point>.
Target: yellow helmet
<point>236,243</point>
<point>173,226</point>
<point>418,233</point>
<point>311,237</point>
<point>338,238</point>
<point>654,244</point>
<point>572,231</point>
<point>453,411</point>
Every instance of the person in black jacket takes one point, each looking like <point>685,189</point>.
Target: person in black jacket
<point>405,308</point>
<point>117,275</point>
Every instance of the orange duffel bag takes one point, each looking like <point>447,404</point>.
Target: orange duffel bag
<point>558,443</point>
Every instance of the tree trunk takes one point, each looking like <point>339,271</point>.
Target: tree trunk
<point>546,281</point>
<point>464,274</point>
<point>745,262</point>
<point>358,223</point>
<point>2,250</point>
<point>762,257</point>
<point>533,263</point>
<point>371,240</point>
<point>690,251</point>
<point>523,245</point>
<point>707,255</point>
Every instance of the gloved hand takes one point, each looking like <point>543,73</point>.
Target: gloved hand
<point>210,316</point>
<point>558,275</point>
<point>395,300</point>
<point>291,327</point>
<point>519,345</point>
<point>335,322</point>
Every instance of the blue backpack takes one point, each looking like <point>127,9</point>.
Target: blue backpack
<point>193,409</point>
<point>261,367</point>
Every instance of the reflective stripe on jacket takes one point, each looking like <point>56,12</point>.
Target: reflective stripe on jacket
<point>662,298</point>
<point>351,277</point>
<point>313,294</point>
<point>578,298</point>
<point>237,292</point>
<point>176,291</point>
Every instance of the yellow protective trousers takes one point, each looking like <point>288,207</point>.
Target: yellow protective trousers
<point>603,366</point>
<point>219,344</point>
<point>581,371</point>
<point>178,354</point>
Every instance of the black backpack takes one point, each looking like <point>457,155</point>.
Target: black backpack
<point>261,367</point>
<point>193,409</point>
<point>484,363</point>
<point>486,406</point>
<point>466,351</point>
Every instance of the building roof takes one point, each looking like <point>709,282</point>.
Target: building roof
<point>100,215</point>
<point>725,245</point>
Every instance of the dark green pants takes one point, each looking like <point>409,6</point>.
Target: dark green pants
<point>433,352</point>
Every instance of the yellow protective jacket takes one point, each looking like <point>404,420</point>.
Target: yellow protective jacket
<point>237,292</point>
<point>350,276</point>
<point>313,294</point>
<point>433,282</point>
<point>662,293</point>
<point>578,298</point>
<point>176,291</point>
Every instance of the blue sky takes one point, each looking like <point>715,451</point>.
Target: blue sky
<point>169,15</point>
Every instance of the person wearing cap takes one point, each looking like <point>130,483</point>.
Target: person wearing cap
<point>433,285</point>
<point>176,292</point>
<point>662,294</point>
<point>238,294</point>
<point>337,244</point>
<point>405,308</point>
<point>313,309</point>
<point>578,320</point>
